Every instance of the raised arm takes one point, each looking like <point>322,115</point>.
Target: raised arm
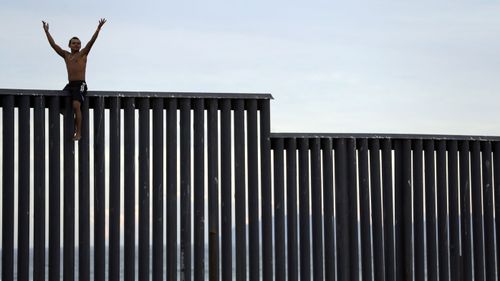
<point>52,43</point>
<point>89,45</point>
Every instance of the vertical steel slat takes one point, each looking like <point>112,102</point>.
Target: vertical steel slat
<point>477,212</point>
<point>213,189</point>
<point>399,201</point>
<point>114,189</point>
<point>129,189</point>
<point>352,195</point>
<point>291,199</point>
<point>317,210</point>
<point>430,210</point>
<point>172,189</point>
<point>489,237</point>
<point>253,190</point>
<point>387,193</point>
<point>342,211</point>
<point>496,188</point>
<point>377,211</point>
<point>54,189</point>
<point>144,189</point>
<point>418,205</point>
<point>443,219</point>
<point>69,192</point>
<point>226,225</point>
<point>8,188</point>
<point>305,225</point>
<point>39,190</point>
<point>279,209</point>
<point>240,188</point>
<point>99,193</point>
<point>365,212</point>
<point>23,189</point>
<point>403,219</point>
<point>265,162</point>
<point>328,209</point>
<point>185,170</point>
<point>407,186</point>
<point>467,264</point>
<point>158,189</point>
<point>84,195</point>
<point>199,192</point>
<point>453,197</point>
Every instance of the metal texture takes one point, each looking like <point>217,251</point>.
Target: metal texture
<point>377,209</point>
<point>171,218</point>
<point>240,190</point>
<point>466,263</point>
<point>454,214</point>
<point>331,206</point>
<point>158,189</point>
<point>388,205</point>
<point>418,207</point>
<point>54,189</point>
<point>304,206</point>
<point>213,189</point>
<point>99,190</point>
<point>39,190</point>
<point>24,189</point>
<point>144,189</point>
<point>69,192</point>
<point>129,189</point>
<point>185,172</point>
<point>342,210</point>
<point>114,188</point>
<point>253,190</point>
<point>430,209</point>
<point>488,210</point>
<point>279,209</point>
<point>266,190</point>
<point>364,199</point>
<point>328,207</point>
<point>84,197</point>
<point>8,188</point>
<point>477,212</point>
<point>291,197</point>
<point>226,191</point>
<point>199,191</point>
<point>317,211</point>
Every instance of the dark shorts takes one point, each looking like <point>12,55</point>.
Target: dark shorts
<point>77,89</point>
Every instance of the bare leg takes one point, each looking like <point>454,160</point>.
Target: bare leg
<point>78,120</point>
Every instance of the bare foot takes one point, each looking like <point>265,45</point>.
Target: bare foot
<point>77,136</point>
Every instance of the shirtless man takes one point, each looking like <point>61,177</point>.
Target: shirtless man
<point>76,62</point>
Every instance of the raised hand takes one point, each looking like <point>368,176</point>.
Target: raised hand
<point>45,26</point>
<point>101,23</point>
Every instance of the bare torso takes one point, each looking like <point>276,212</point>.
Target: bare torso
<point>76,63</point>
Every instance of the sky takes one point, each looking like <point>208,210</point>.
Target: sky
<point>416,67</point>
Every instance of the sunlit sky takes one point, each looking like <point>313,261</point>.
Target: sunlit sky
<point>426,67</point>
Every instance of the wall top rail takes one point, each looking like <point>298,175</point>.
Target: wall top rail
<point>382,136</point>
<point>133,94</point>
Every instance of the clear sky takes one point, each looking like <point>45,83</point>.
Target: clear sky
<point>427,67</point>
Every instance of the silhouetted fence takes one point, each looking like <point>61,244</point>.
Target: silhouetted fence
<point>386,207</point>
<point>179,175</point>
<point>204,146</point>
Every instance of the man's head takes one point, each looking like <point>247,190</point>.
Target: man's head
<point>75,44</point>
